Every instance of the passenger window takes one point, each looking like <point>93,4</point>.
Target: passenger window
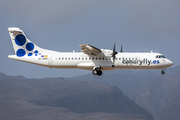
<point>99,58</point>
<point>69,58</point>
<point>79,58</point>
<point>92,58</point>
<point>75,58</point>
<point>102,58</point>
<point>72,58</point>
<point>59,58</point>
<point>96,58</point>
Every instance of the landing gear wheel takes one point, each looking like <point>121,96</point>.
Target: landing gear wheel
<point>162,72</point>
<point>95,72</point>
<point>99,73</point>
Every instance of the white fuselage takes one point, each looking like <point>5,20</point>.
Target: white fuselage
<point>79,60</point>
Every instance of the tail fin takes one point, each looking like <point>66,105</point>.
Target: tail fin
<point>22,45</point>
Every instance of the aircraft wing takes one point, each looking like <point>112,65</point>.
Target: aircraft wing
<point>89,49</point>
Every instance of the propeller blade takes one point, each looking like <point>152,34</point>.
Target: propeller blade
<point>114,53</point>
<point>121,48</point>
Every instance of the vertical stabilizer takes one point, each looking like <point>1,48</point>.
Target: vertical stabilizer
<point>22,45</point>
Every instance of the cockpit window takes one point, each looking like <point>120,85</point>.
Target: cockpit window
<point>160,56</point>
<point>163,56</point>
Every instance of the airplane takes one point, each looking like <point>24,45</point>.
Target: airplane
<point>91,58</point>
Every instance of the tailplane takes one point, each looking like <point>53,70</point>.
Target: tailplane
<point>22,45</point>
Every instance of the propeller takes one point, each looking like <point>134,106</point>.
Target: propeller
<point>114,54</point>
<point>121,48</point>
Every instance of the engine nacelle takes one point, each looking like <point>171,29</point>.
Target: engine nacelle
<point>105,53</point>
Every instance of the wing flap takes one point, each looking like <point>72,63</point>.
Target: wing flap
<point>89,49</point>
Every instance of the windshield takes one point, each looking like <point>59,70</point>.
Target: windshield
<point>160,56</point>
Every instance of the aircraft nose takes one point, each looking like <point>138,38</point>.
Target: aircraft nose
<point>170,63</point>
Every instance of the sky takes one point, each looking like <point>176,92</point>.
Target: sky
<point>62,25</point>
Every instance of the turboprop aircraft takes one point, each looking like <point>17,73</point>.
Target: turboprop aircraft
<point>91,58</point>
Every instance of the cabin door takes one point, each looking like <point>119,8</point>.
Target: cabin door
<point>50,61</point>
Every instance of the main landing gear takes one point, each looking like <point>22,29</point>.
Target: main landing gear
<point>162,71</point>
<point>97,71</point>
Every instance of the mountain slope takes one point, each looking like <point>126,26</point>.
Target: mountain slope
<point>148,88</point>
<point>172,112</point>
<point>56,98</point>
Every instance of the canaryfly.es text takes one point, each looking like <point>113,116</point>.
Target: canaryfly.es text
<point>140,62</point>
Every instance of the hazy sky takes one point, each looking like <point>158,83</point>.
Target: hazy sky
<point>62,25</point>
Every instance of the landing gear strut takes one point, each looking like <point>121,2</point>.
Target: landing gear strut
<point>162,71</point>
<point>97,71</point>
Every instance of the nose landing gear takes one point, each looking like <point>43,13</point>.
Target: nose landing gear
<point>162,71</point>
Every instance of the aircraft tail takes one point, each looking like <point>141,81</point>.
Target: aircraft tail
<point>22,45</point>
